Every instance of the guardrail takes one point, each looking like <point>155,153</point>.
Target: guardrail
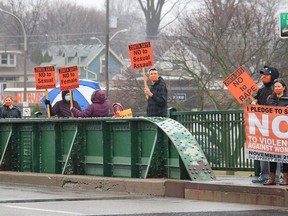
<point>221,134</point>
<point>135,147</point>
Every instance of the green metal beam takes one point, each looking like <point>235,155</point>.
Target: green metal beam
<point>188,148</point>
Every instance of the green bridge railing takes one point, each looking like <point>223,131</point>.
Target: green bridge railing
<point>137,147</point>
<point>221,134</point>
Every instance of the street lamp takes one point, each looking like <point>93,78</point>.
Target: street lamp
<point>25,53</point>
<point>108,39</point>
<point>95,38</point>
<point>120,31</point>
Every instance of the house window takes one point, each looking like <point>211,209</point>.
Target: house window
<point>4,59</point>
<point>12,59</point>
<point>102,65</point>
<point>70,59</point>
<point>177,64</point>
<point>82,59</point>
<point>7,59</point>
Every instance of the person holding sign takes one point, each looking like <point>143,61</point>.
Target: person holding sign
<point>116,108</point>
<point>62,107</point>
<point>157,95</point>
<point>98,108</point>
<point>279,97</point>
<point>269,74</point>
<point>9,110</point>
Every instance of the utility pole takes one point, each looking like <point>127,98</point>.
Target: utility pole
<point>107,48</point>
<point>25,102</point>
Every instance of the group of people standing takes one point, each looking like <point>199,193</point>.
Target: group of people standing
<point>273,92</point>
<point>98,108</point>
<point>156,101</point>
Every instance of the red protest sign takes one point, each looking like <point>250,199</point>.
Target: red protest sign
<point>266,129</point>
<point>68,78</point>
<point>141,55</point>
<point>45,77</point>
<point>241,85</point>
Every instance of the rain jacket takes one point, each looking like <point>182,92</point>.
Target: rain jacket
<point>157,104</point>
<point>98,108</point>
<point>62,108</point>
<point>266,89</point>
<point>6,112</point>
<point>276,101</point>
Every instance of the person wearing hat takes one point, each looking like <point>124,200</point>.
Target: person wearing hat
<point>156,94</point>
<point>269,74</point>
<point>116,108</point>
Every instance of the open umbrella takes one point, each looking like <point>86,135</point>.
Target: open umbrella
<point>82,94</point>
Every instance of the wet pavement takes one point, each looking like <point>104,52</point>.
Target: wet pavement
<point>51,194</point>
<point>27,200</point>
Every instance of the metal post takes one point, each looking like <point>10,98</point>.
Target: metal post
<point>107,48</point>
<point>25,53</point>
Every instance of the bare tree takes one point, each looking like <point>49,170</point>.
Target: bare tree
<point>29,12</point>
<point>224,35</point>
<point>48,22</point>
<point>67,22</point>
<point>153,12</point>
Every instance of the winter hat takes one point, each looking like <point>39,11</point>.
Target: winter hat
<point>117,107</point>
<point>270,71</point>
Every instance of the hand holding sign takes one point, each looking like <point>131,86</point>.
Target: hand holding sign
<point>141,57</point>
<point>44,79</point>
<point>69,79</point>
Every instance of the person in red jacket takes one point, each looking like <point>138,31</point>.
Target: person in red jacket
<point>98,108</point>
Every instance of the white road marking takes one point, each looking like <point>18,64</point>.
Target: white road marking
<point>44,210</point>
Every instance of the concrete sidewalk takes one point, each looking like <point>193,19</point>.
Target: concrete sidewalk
<point>226,188</point>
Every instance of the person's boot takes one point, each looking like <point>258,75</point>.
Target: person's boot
<point>285,179</point>
<point>271,179</point>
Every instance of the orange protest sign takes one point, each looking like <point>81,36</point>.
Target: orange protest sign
<point>127,113</point>
<point>241,85</point>
<point>266,130</point>
<point>68,78</point>
<point>45,77</point>
<point>141,55</point>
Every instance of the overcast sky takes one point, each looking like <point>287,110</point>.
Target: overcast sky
<point>99,4</point>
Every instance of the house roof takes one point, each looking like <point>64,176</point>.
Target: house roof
<point>64,55</point>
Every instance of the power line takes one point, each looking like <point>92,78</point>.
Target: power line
<point>48,35</point>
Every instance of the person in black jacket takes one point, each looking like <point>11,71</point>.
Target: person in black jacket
<point>157,95</point>
<point>279,97</point>
<point>9,110</point>
<point>269,74</point>
<point>62,108</point>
